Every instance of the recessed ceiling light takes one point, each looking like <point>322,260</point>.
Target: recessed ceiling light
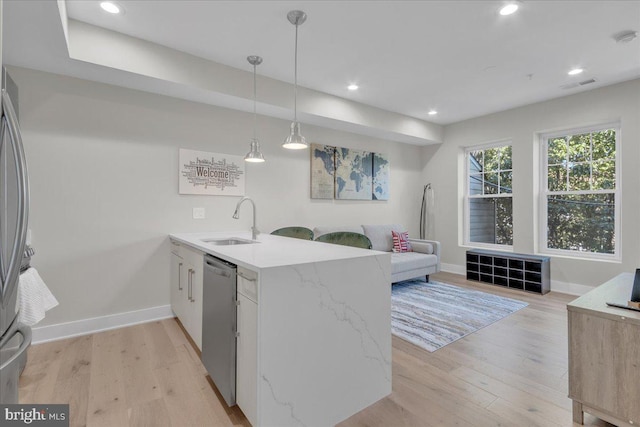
<point>625,36</point>
<point>432,112</point>
<point>575,71</point>
<point>110,7</point>
<point>509,8</point>
<point>353,87</point>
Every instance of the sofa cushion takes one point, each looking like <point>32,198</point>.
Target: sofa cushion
<point>380,235</point>
<point>406,261</point>
<point>319,231</point>
<point>421,246</point>
<point>401,242</point>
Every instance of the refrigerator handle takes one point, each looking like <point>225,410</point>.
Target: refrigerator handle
<point>12,128</point>
<point>25,331</point>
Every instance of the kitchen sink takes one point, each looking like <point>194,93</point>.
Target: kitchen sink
<point>229,241</point>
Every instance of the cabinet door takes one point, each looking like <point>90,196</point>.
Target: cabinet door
<point>195,304</point>
<point>193,294</point>
<point>247,368</point>
<point>177,285</point>
<point>603,364</point>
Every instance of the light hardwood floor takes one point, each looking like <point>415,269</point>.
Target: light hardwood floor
<point>511,373</point>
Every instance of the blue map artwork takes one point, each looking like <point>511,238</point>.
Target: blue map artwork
<point>322,171</point>
<point>347,174</point>
<point>354,174</point>
<point>380,177</point>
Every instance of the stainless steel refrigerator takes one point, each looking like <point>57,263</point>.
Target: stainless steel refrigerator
<point>15,338</point>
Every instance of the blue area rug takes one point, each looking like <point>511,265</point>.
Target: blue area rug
<point>432,315</point>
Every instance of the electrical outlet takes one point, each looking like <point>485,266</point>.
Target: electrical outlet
<point>198,213</point>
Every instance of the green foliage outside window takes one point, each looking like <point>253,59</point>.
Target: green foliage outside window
<point>581,182</point>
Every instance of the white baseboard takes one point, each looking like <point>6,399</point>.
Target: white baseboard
<point>570,288</point>
<point>99,324</point>
<point>453,268</point>
<point>556,286</point>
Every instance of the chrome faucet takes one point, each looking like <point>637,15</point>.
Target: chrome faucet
<point>236,215</point>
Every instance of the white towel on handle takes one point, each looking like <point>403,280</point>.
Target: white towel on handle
<point>34,298</point>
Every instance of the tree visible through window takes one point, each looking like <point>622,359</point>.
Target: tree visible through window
<point>580,184</point>
<point>489,196</point>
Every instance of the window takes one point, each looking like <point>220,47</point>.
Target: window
<point>488,201</point>
<point>580,193</point>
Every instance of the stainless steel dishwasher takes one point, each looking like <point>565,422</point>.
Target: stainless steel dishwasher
<point>219,325</point>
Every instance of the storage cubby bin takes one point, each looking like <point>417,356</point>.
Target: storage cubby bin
<point>518,271</point>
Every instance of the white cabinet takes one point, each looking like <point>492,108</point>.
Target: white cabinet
<point>186,289</point>
<point>178,279</point>
<point>247,344</point>
<point>194,288</point>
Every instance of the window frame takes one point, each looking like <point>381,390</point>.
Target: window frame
<point>544,193</point>
<point>467,196</point>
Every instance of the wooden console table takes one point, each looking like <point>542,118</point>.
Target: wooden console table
<point>604,355</point>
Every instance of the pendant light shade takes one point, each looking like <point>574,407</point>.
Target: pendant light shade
<point>295,140</point>
<point>254,155</point>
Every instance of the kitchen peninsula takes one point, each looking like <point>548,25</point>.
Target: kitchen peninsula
<point>314,344</point>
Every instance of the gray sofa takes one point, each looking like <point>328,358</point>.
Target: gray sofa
<point>423,261</point>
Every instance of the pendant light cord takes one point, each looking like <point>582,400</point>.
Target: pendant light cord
<point>295,80</point>
<point>255,120</point>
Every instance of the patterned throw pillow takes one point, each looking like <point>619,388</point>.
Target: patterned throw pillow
<point>401,242</point>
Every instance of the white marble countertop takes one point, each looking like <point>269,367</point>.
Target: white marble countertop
<point>269,251</point>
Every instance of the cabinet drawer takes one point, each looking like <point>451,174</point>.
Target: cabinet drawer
<point>516,284</point>
<point>532,277</point>
<point>533,266</point>
<point>192,256</point>
<point>516,274</point>
<point>516,264</point>
<point>533,287</point>
<point>486,269</point>
<point>248,283</point>
<point>486,260</point>
<point>176,248</point>
<point>498,271</point>
<point>500,262</point>
<point>501,281</point>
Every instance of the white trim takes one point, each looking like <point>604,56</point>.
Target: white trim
<point>491,246</point>
<point>581,256</point>
<point>76,328</point>
<point>570,288</point>
<point>490,196</point>
<point>453,268</point>
<point>466,227</point>
<point>579,130</point>
<point>491,144</point>
<point>543,249</point>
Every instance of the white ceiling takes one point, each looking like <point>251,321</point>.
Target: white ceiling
<point>459,57</point>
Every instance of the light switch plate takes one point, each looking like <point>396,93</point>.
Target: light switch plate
<point>198,213</point>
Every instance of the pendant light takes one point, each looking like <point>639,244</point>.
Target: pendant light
<point>254,155</point>
<point>295,141</point>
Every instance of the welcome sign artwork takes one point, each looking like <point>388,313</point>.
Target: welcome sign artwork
<point>212,174</point>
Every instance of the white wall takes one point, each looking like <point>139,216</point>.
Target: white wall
<point>444,167</point>
<point>104,187</point>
